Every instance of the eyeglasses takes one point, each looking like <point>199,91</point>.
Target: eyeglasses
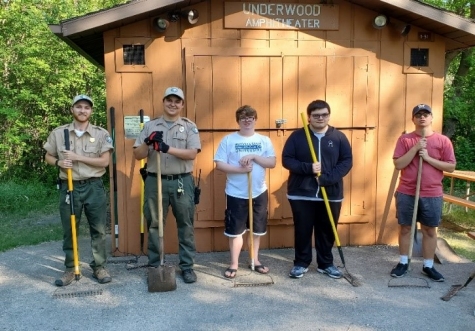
<point>317,116</point>
<point>247,119</point>
<point>419,115</point>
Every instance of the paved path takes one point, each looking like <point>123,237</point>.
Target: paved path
<point>315,302</point>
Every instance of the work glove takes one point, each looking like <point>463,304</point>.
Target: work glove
<point>155,137</point>
<point>161,147</point>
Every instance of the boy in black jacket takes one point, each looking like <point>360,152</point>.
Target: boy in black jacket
<point>304,192</point>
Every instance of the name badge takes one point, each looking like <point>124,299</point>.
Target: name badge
<point>92,139</point>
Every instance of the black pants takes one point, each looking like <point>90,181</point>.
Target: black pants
<point>311,217</point>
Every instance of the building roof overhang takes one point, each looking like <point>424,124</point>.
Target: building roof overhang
<point>85,33</point>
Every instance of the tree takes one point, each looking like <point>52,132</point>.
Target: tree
<point>39,76</point>
<point>459,122</point>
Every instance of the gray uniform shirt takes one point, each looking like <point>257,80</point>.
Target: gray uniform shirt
<point>181,134</point>
<point>93,143</point>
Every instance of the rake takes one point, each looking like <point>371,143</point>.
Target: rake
<point>349,277</point>
<point>455,288</point>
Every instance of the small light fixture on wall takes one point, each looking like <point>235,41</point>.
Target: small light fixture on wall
<point>160,24</point>
<point>380,21</point>
<point>191,15</point>
<point>401,28</point>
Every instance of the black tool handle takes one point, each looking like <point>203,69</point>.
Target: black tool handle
<point>112,116</point>
<point>66,139</point>
<point>141,115</point>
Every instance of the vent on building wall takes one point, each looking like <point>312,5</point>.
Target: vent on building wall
<point>134,54</point>
<point>419,57</point>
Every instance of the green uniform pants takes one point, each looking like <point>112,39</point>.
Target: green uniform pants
<point>91,197</point>
<point>183,208</point>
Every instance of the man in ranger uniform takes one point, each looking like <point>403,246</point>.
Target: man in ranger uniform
<point>87,157</point>
<point>178,140</point>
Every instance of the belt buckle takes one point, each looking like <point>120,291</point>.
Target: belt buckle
<point>169,177</point>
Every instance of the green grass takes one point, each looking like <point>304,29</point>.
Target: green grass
<point>454,227</point>
<point>29,214</point>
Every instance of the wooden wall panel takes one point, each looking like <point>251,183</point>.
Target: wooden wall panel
<point>201,30</point>
<point>167,71</point>
<point>256,92</point>
<point>290,91</point>
<point>379,95</point>
<point>217,23</point>
<point>340,77</point>
<point>311,80</point>
<point>220,241</point>
<point>114,99</point>
<point>136,95</point>
<point>345,31</point>
<point>137,29</point>
<point>281,236</point>
<point>391,123</point>
<point>226,91</point>
<point>205,164</point>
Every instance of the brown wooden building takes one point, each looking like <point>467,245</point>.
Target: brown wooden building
<point>277,57</point>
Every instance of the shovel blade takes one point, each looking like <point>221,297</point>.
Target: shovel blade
<point>161,279</point>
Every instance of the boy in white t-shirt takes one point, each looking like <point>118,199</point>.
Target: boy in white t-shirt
<point>238,154</point>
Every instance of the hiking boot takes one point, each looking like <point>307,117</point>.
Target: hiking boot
<point>331,271</point>
<point>189,276</point>
<point>399,270</point>
<point>297,272</point>
<point>102,276</point>
<point>66,278</point>
<point>433,274</point>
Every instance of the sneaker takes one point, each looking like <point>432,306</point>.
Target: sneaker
<point>66,278</point>
<point>331,271</point>
<point>433,274</point>
<point>297,272</point>
<point>189,276</point>
<point>102,276</point>
<point>399,270</point>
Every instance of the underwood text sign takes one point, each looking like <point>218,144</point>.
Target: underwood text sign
<point>280,16</point>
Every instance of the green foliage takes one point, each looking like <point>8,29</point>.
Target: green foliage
<point>40,75</point>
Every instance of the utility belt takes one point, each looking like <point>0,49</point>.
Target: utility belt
<point>83,181</point>
<point>170,177</point>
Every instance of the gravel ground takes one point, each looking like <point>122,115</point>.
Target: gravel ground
<point>314,302</point>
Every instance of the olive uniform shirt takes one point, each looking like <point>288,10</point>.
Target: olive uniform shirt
<point>181,134</point>
<point>93,143</point>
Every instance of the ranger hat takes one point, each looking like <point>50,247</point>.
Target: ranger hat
<point>174,91</point>
<point>421,107</point>
<point>80,97</point>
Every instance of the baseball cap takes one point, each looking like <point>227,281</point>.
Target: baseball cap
<point>80,97</point>
<point>174,91</point>
<point>421,107</point>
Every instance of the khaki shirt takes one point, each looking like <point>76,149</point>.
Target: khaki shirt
<point>93,143</point>
<point>181,134</point>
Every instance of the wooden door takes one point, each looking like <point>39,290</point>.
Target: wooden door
<point>279,87</point>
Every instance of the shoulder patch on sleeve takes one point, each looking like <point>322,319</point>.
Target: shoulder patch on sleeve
<point>109,139</point>
<point>194,129</point>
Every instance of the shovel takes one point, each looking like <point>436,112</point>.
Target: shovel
<point>162,278</point>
